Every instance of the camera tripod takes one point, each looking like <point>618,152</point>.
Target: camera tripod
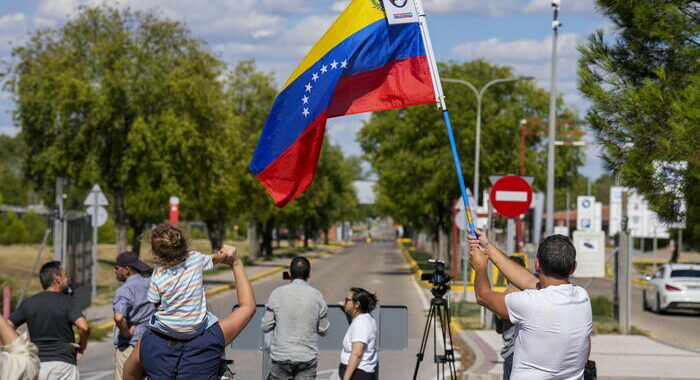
<point>439,312</point>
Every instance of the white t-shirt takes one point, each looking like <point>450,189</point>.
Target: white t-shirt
<point>362,329</point>
<point>554,325</point>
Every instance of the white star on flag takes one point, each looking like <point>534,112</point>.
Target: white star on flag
<point>324,68</point>
<point>344,64</point>
<point>308,87</point>
<point>334,64</point>
<point>314,77</point>
<point>306,112</point>
<point>305,99</point>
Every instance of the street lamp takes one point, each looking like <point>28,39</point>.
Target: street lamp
<point>549,228</point>
<point>477,145</point>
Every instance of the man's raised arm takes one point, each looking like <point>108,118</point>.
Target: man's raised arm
<point>514,272</point>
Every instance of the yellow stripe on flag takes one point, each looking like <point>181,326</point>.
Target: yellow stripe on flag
<point>355,17</point>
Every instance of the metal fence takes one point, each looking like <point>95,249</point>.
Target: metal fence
<point>78,257</point>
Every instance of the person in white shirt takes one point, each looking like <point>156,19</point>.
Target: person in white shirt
<point>358,360</point>
<point>19,358</point>
<point>553,318</point>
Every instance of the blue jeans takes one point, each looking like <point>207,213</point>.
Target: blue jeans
<point>200,358</point>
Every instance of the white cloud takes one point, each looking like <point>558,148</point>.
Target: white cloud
<point>308,30</point>
<point>518,50</point>
<point>340,6</point>
<point>12,31</point>
<point>9,130</point>
<point>579,7</point>
<point>474,7</point>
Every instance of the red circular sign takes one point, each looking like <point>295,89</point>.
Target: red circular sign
<point>511,196</point>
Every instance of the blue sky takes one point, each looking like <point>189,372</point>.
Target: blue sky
<point>278,33</point>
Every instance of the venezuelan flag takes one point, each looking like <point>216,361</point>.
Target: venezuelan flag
<point>361,64</point>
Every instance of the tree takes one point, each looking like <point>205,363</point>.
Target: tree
<point>643,83</point>
<point>409,150</point>
<point>121,98</point>
<point>13,188</point>
<point>330,199</point>
<point>249,95</point>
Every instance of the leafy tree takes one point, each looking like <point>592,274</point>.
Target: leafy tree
<point>121,98</point>
<point>13,187</point>
<point>249,96</point>
<point>12,230</point>
<point>643,83</point>
<point>330,199</point>
<point>409,151</point>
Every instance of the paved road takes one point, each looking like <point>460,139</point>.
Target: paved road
<point>377,266</point>
<point>678,328</point>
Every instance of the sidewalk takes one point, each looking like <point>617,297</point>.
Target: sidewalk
<point>617,357</point>
<point>101,316</point>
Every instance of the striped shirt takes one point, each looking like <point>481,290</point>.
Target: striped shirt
<point>182,311</point>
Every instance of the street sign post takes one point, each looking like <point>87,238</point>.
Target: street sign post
<point>511,196</point>
<point>95,200</point>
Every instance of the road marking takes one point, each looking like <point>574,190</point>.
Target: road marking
<point>423,298</point>
<point>97,375</point>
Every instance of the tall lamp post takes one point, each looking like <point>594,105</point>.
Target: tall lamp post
<point>477,145</point>
<point>552,121</point>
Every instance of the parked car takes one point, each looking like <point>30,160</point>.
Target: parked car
<point>673,286</point>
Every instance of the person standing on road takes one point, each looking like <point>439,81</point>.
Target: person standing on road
<point>358,359</point>
<point>508,331</point>
<point>18,358</point>
<point>131,307</point>
<point>297,313</point>
<point>50,317</point>
<point>553,318</point>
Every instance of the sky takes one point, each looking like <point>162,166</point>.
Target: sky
<point>278,33</point>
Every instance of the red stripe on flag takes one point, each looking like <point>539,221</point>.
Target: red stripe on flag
<point>294,170</point>
<point>402,83</point>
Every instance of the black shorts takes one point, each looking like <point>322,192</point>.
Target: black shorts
<point>358,374</point>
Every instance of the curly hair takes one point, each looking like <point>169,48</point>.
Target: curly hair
<point>169,245</point>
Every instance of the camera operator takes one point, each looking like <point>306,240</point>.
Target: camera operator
<point>298,314</point>
<point>548,313</point>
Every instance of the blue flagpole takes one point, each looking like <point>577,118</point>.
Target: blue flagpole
<point>440,100</point>
<point>458,167</point>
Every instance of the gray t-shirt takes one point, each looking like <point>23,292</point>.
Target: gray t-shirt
<point>298,315</point>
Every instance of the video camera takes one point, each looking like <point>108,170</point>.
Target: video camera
<point>439,278</point>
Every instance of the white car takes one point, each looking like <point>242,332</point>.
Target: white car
<point>673,286</point>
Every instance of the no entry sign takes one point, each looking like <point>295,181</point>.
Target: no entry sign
<point>511,196</point>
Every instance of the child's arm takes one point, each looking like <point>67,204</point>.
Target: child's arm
<point>218,258</point>
<point>224,256</point>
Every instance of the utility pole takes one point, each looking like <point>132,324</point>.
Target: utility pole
<point>623,271</point>
<point>552,122</point>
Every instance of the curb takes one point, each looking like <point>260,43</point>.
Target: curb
<point>413,266</point>
<point>253,278</point>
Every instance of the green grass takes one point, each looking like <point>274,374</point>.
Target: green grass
<point>421,256</point>
<point>97,334</point>
<point>466,314</point>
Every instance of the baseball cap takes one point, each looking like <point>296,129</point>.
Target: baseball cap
<point>130,259</point>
